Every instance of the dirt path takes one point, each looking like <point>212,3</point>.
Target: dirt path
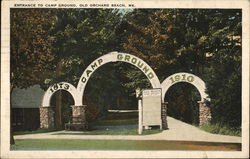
<point>178,130</point>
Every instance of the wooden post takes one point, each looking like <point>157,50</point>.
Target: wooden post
<point>140,127</point>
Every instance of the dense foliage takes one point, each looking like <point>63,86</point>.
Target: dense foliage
<point>32,58</point>
<point>205,42</point>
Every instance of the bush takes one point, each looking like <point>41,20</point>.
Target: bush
<point>221,129</point>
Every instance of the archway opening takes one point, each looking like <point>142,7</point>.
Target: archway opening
<point>182,101</point>
<point>110,96</point>
<point>61,102</point>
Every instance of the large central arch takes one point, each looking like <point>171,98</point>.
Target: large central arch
<point>115,57</point>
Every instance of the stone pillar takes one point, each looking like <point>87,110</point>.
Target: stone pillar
<point>47,119</point>
<point>204,113</point>
<point>79,117</point>
<point>164,116</point>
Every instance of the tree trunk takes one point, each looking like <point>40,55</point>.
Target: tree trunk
<point>58,111</point>
<point>12,141</point>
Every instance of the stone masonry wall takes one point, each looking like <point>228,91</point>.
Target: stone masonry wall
<point>47,117</point>
<point>79,114</point>
<point>204,113</point>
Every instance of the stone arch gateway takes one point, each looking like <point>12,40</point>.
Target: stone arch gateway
<point>46,110</point>
<point>78,110</point>
<point>204,110</point>
<point>185,77</point>
<point>60,86</point>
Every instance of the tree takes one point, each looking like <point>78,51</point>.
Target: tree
<point>81,36</point>
<point>32,59</point>
<point>205,42</point>
<point>169,41</point>
<point>224,71</point>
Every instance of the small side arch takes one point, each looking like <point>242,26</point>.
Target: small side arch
<point>185,77</point>
<point>61,86</point>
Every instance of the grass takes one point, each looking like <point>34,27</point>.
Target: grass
<point>111,132</point>
<point>117,118</point>
<point>111,122</point>
<point>112,119</point>
<point>121,115</point>
<point>34,131</point>
<point>219,129</point>
<point>77,144</point>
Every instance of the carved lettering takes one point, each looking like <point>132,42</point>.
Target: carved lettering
<point>51,89</point>
<point>119,57</point>
<point>93,66</point>
<point>88,72</point>
<point>190,78</point>
<point>66,86</point>
<point>178,78</point>
<point>150,75</point>
<point>134,60</point>
<point>55,87</point>
<point>139,64</point>
<point>127,57</point>
<point>60,85</point>
<point>145,69</point>
<point>83,80</point>
<point>100,61</point>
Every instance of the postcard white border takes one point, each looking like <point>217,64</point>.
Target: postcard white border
<point>5,89</point>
